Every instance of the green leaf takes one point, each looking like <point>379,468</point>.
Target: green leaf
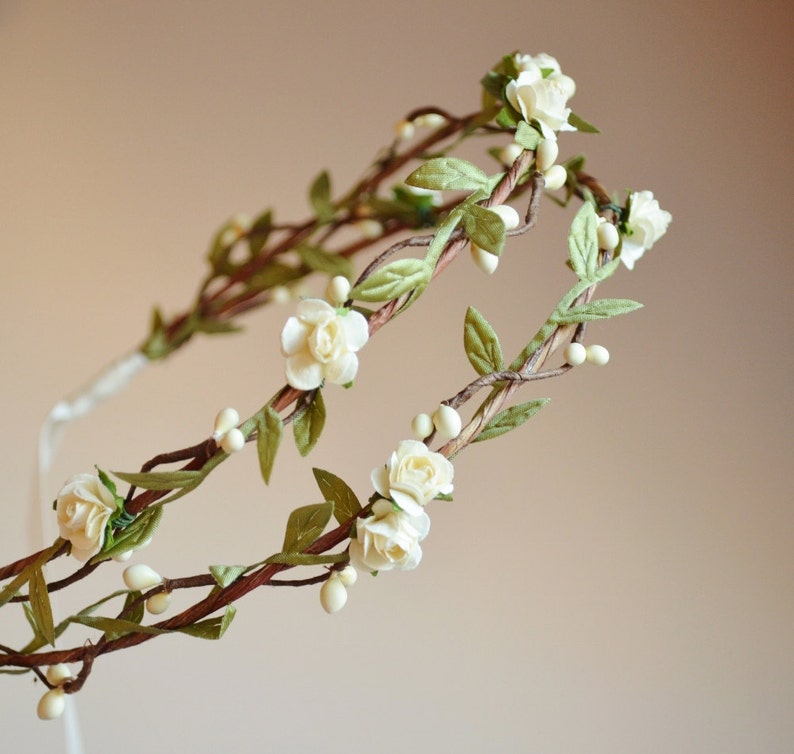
<point>225,575</point>
<point>321,261</point>
<point>441,238</point>
<point>22,578</point>
<point>447,174</point>
<point>136,614</point>
<point>583,242</point>
<point>113,628</point>
<point>508,117</point>
<point>494,83</point>
<point>481,343</point>
<point>305,525</point>
<point>301,559</point>
<point>320,197</point>
<point>332,488</point>
<point>308,425</point>
<point>527,136</point>
<point>40,606</point>
<point>134,535</point>
<point>484,228</point>
<point>603,308</point>
<point>212,628</point>
<point>393,280</point>
<point>161,480</point>
<point>270,430</point>
<point>260,232</point>
<point>274,274</point>
<point>510,418</point>
<point>580,124</point>
<point>216,326</point>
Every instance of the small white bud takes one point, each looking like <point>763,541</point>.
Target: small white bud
<point>241,223</point>
<point>430,120</point>
<point>546,154</point>
<point>158,603</point>
<point>608,236</point>
<point>575,354</point>
<point>422,426</point>
<point>139,577</point>
<point>229,237</point>
<point>508,215</point>
<point>233,441</point>
<point>369,228</point>
<point>124,557</point>
<point>224,421</point>
<point>333,594</point>
<point>555,177</point>
<point>509,154</point>
<point>280,294</point>
<point>348,575</point>
<point>338,290</point>
<point>486,261</point>
<point>404,130</point>
<point>52,704</point>
<point>57,674</point>
<point>597,355</point>
<point>447,422</point>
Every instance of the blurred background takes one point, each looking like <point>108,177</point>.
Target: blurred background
<point>614,577</point>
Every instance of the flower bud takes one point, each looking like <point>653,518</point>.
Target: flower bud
<point>369,228</point>
<point>229,237</point>
<point>608,236</point>
<point>546,154</point>
<point>508,215</point>
<point>338,290</point>
<point>486,261</point>
<point>422,426</point>
<point>123,557</point>
<point>575,354</point>
<point>430,120</point>
<point>280,294</point>
<point>447,422</point>
<point>509,154</point>
<point>555,177</point>
<point>241,222</point>
<point>597,355</point>
<point>404,130</point>
<point>348,575</point>
<point>224,421</point>
<point>139,577</point>
<point>233,441</point>
<point>57,674</point>
<point>158,603</point>
<point>333,594</point>
<point>52,704</point>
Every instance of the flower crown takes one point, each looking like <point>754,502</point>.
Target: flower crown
<point>419,207</point>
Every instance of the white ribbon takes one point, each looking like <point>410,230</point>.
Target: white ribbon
<point>110,381</point>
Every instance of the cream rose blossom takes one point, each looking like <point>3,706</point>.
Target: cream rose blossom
<point>389,539</point>
<point>539,98</point>
<point>321,344</point>
<point>646,224</point>
<point>413,476</point>
<point>83,508</point>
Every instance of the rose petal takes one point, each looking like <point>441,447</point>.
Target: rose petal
<point>342,370</point>
<point>356,330</point>
<point>293,336</point>
<point>303,372</point>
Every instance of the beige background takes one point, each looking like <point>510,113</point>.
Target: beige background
<point>614,578</point>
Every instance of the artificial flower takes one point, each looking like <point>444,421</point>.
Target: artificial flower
<point>646,224</point>
<point>83,507</point>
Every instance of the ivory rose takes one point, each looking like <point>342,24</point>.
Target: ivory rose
<point>83,507</point>
<point>542,99</point>
<point>646,224</point>
<point>413,476</point>
<point>389,539</point>
<point>321,344</point>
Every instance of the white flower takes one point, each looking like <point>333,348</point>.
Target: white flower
<point>413,476</point>
<point>646,224</point>
<point>389,539</point>
<point>83,508</point>
<point>321,344</point>
<point>542,99</point>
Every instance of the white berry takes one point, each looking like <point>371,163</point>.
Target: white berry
<point>333,594</point>
<point>233,441</point>
<point>369,228</point>
<point>158,603</point>
<point>608,236</point>
<point>139,576</point>
<point>422,426</point>
<point>597,355</point>
<point>338,290</point>
<point>447,422</point>
<point>404,130</point>
<point>57,674</point>
<point>555,177</point>
<point>52,704</point>
<point>224,421</point>
<point>486,261</point>
<point>575,354</point>
<point>509,216</point>
<point>509,154</point>
<point>546,154</point>
<point>348,575</point>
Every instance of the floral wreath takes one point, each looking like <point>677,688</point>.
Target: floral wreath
<point>441,207</point>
